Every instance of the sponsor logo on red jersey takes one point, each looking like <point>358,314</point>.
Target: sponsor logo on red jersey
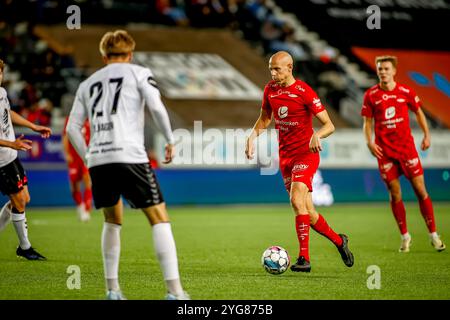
<point>388,96</point>
<point>300,167</point>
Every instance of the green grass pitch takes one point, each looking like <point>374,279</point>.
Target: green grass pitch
<point>219,251</point>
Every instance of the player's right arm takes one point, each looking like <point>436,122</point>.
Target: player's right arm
<point>373,147</point>
<point>367,115</point>
<point>17,119</point>
<point>65,142</point>
<point>75,124</point>
<point>261,124</point>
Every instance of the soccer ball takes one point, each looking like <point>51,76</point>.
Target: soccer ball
<point>275,260</point>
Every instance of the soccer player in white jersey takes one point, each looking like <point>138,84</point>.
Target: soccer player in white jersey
<point>13,180</point>
<point>113,100</point>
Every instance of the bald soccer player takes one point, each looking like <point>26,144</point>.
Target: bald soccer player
<point>293,104</point>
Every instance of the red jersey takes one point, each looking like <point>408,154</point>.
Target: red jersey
<point>390,112</point>
<point>293,108</point>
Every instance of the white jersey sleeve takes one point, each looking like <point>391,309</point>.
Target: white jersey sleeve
<point>7,155</point>
<point>152,97</point>
<point>75,124</point>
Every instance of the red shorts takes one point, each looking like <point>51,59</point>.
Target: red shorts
<point>299,169</point>
<point>391,169</point>
<point>77,169</point>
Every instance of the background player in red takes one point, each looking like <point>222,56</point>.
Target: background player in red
<point>78,175</point>
<point>386,104</point>
<point>293,103</point>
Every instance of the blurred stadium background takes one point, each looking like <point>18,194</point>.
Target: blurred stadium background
<point>210,60</point>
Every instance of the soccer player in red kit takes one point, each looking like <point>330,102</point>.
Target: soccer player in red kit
<point>78,174</point>
<point>386,105</point>
<point>293,104</point>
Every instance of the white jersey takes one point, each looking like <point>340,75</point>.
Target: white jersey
<point>7,155</point>
<point>113,99</point>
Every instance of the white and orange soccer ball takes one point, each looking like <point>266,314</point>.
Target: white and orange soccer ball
<point>275,260</point>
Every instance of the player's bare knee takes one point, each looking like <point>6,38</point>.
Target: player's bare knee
<point>313,217</point>
<point>297,205</point>
<point>395,192</point>
<point>156,214</point>
<point>113,220</point>
<point>19,201</point>
<point>19,204</point>
<point>420,190</point>
<point>421,193</point>
<point>396,196</point>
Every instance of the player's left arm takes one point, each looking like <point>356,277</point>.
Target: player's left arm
<point>21,121</point>
<point>422,120</point>
<point>326,129</point>
<point>415,105</point>
<point>152,97</point>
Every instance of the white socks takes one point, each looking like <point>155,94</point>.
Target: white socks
<point>20,224</point>
<point>434,235</point>
<point>5,215</point>
<point>167,256</point>
<point>111,254</point>
<point>165,251</point>
<point>406,236</point>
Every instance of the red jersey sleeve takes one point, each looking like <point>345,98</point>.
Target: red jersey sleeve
<point>265,103</point>
<point>413,102</point>
<point>366,110</point>
<point>312,101</point>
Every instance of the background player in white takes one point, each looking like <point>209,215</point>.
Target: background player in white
<point>13,180</point>
<point>113,99</point>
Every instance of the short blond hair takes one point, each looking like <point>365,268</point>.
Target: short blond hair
<point>391,59</point>
<point>117,43</point>
<point>2,65</point>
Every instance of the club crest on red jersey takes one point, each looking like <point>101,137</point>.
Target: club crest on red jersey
<point>283,112</point>
<point>389,113</point>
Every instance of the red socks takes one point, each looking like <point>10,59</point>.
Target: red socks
<point>398,209</point>
<point>76,195</point>
<point>322,227</point>
<point>302,228</point>
<point>88,199</point>
<point>426,208</point>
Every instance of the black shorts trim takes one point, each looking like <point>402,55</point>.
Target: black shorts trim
<point>12,178</point>
<point>135,182</point>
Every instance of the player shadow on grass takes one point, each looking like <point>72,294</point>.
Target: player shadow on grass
<point>288,276</point>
